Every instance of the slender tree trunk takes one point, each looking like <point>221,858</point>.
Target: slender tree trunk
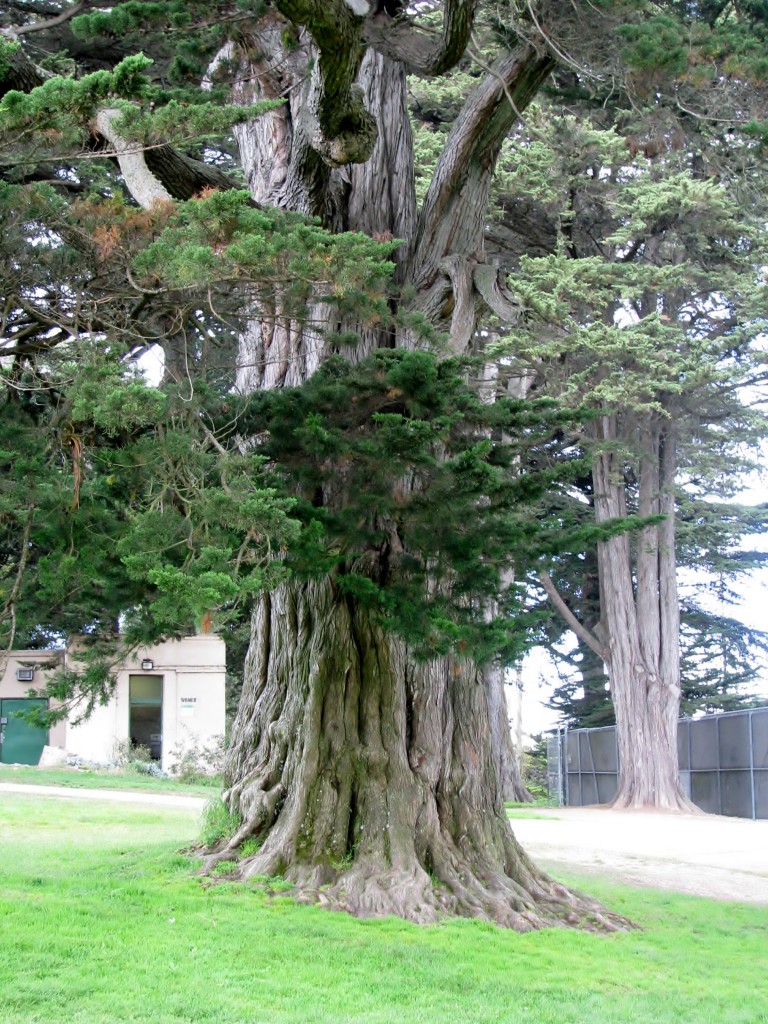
<point>640,616</point>
<point>506,756</point>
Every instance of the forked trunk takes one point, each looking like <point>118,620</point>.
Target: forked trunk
<point>368,780</point>
<point>641,621</point>
<point>365,777</point>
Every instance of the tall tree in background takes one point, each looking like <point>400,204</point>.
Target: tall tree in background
<point>365,772</point>
<point>719,654</point>
<point>656,307</point>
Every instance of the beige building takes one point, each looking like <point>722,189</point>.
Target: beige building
<point>168,698</point>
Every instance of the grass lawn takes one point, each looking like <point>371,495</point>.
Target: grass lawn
<point>102,923</point>
<point>521,812</point>
<point>106,779</point>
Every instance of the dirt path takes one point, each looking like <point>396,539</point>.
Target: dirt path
<point>707,855</point>
<point>723,858</point>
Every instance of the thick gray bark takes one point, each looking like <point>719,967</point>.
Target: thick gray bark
<point>368,779</point>
<point>640,615</point>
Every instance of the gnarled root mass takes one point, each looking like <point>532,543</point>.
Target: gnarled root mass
<point>368,782</point>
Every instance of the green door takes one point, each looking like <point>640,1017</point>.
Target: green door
<point>20,742</point>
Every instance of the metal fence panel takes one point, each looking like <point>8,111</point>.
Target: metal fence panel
<point>735,794</point>
<point>723,763</point>
<point>760,739</point>
<point>761,793</point>
<point>734,741</point>
<point>705,792</point>
<point>605,751</point>
<point>704,744</point>
<point>607,788</point>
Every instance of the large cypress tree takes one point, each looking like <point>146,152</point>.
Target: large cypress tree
<point>363,769</point>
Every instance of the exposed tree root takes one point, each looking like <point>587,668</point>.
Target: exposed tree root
<point>370,782</point>
<point>453,887</point>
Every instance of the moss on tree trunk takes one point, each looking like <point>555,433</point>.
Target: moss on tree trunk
<point>369,780</point>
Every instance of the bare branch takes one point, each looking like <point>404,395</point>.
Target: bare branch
<point>578,628</point>
<point>145,188</point>
<point>490,283</point>
<point>42,26</point>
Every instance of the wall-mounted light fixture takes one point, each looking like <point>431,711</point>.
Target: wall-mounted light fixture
<point>147,665</point>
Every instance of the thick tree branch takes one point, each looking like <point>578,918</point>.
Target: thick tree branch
<point>21,74</point>
<point>578,628</point>
<point>59,19</point>
<point>453,216</point>
<point>184,176</point>
<point>337,124</point>
<point>158,173</point>
<point>422,52</point>
<point>145,188</point>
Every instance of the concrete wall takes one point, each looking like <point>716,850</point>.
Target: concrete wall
<point>43,662</point>
<point>193,709</point>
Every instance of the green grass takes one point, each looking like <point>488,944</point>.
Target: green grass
<point>106,779</point>
<point>102,922</point>
<point>521,812</point>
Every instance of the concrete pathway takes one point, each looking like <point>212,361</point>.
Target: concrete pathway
<point>707,855</point>
<point>119,796</point>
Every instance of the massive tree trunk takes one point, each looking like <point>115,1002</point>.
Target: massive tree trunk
<point>640,617</point>
<point>367,778</point>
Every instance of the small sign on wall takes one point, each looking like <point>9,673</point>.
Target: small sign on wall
<point>188,705</point>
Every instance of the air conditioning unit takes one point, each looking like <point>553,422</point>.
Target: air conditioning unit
<point>25,675</point>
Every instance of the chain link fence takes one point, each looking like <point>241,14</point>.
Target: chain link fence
<point>723,764</point>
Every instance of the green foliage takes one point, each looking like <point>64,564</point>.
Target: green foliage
<point>136,15</point>
<point>658,43</point>
<point>61,103</point>
<point>145,502</point>
<point>650,307</point>
<point>224,238</point>
<point>8,50</point>
<point>419,497</point>
<point>184,122</point>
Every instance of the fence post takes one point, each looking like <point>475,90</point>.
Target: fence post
<point>752,767</point>
<point>719,767</point>
<point>565,767</point>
